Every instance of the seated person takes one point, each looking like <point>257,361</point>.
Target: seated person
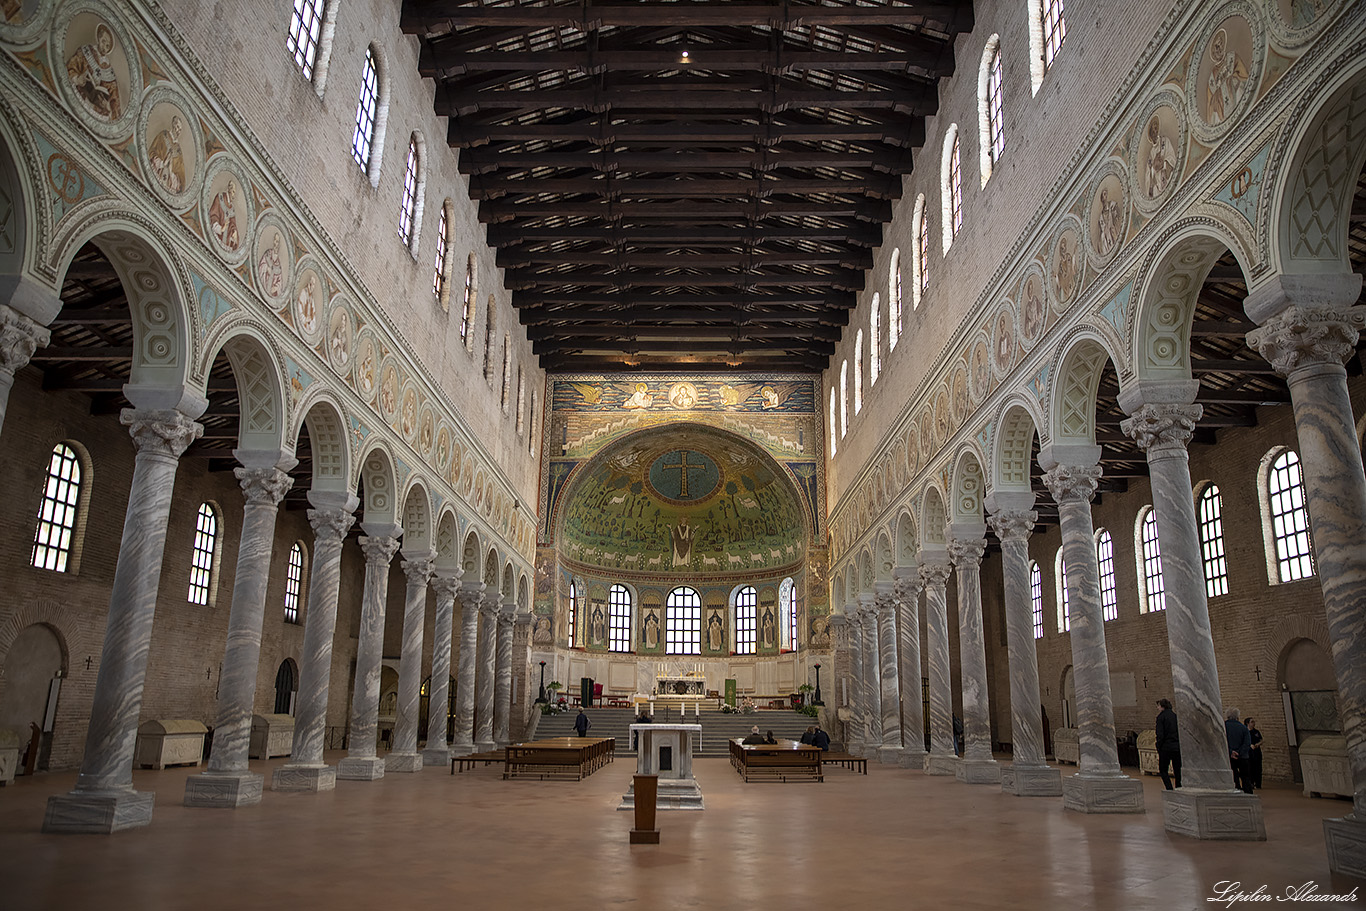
<point>821,739</point>
<point>754,736</point>
<point>644,717</point>
<point>768,738</point>
<point>809,735</point>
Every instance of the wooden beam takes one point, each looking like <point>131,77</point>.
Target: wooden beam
<point>493,211</point>
<point>877,186</point>
<point>853,259</point>
<point>849,280</point>
<point>440,16</point>
<point>920,102</point>
<point>60,353</point>
<point>478,161</point>
<point>700,57</point>
<point>678,236</point>
<point>683,327</point>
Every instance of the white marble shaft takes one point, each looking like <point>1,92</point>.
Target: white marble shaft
<point>891,690</point>
<point>502,685</point>
<point>966,554</point>
<point>871,682</point>
<point>471,593</point>
<point>160,437</point>
<point>857,731</point>
<point>935,574</point>
<point>908,591</point>
<point>19,338</point>
<point>446,585</point>
<point>1013,527</point>
<point>1163,431</point>
<point>486,668</point>
<point>362,763</point>
<point>1072,487</point>
<point>418,570</point>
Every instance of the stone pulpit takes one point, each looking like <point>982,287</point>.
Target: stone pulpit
<point>666,750</point>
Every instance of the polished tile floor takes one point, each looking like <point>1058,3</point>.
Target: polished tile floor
<point>893,839</point>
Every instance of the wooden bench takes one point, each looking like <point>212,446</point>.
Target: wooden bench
<point>467,762</point>
<point>786,760</point>
<point>848,760</point>
<point>559,757</point>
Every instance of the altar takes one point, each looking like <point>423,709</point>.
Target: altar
<point>666,750</point>
<point>684,685</point>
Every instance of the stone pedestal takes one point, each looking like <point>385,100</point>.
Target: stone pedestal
<point>888,755</point>
<point>1221,815</point>
<point>436,756</point>
<point>224,790</point>
<point>978,771</point>
<point>1346,838</point>
<point>98,814</point>
<point>912,759</point>
<point>360,768</point>
<point>1031,781</point>
<point>403,762</point>
<point>1102,795</point>
<point>941,764</point>
<point>665,750</point>
<point>305,778</point>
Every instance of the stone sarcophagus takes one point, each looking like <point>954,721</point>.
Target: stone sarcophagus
<point>1323,760</point>
<point>175,741</point>
<point>11,745</point>
<point>1147,752</point>
<point>271,736</point>
<point>1066,747</point>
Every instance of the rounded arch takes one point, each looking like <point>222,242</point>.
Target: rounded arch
<point>447,540</point>
<point>328,438</point>
<point>1080,365</point>
<point>965,507</point>
<point>984,110</point>
<point>934,518</point>
<point>950,185</point>
<point>491,569</point>
<point>894,299</point>
<point>867,570</point>
<point>417,519</point>
<point>1014,446</point>
<point>469,556</point>
<point>907,540</point>
<point>884,557</point>
<point>381,125</point>
<point>837,590</point>
<point>920,251</point>
<point>260,392</point>
<point>418,143</point>
<point>18,206</point>
<point>381,493</point>
<point>509,586</point>
<point>523,593</point>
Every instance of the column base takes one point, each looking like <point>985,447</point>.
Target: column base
<point>361,768</point>
<point>304,778</point>
<point>978,771</point>
<point>437,756</point>
<point>485,746</point>
<point>462,749</point>
<point>941,764</point>
<point>889,755</point>
<point>403,762</point>
<point>912,759</point>
<point>1346,838</point>
<point>1213,815</point>
<point>1031,781</point>
<point>1102,795</point>
<point>224,790</point>
<point>98,814</point>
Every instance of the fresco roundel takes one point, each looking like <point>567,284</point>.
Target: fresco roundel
<point>684,476</point>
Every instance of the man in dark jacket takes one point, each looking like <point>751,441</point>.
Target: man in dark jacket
<point>582,724</point>
<point>821,739</point>
<point>1168,745</point>
<point>809,736</point>
<point>754,737</point>
<point>1239,750</point>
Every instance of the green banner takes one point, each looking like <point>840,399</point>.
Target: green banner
<point>730,693</point>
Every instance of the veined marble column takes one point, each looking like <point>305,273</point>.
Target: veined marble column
<point>871,685</point>
<point>1206,806</point>
<point>1028,774</point>
<point>486,671</point>
<point>228,782</point>
<point>890,750</point>
<point>306,770</point>
<point>1099,786</point>
<point>438,751</point>
<point>362,762</point>
<point>1309,326</point>
<point>19,338</point>
<point>856,730</point>
<point>471,593</point>
<point>908,589</point>
<point>934,572</point>
<point>404,757</point>
<point>104,800</point>
<point>976,766</point>
<point>502,684</point>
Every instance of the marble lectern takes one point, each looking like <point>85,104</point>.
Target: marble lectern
<point>666,750</point>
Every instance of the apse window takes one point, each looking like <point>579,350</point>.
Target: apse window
<point>573,614</point>
<point>305,27</point>
<point>294,582</point>
<point>55,536</point>
<point>619,619</point>
<point>204,555</point>
<point>746,621</point>
<point>367,108</point>
<point>683,622</point>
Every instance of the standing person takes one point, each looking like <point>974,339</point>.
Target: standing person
<point>1168,744</point>
<point>1256,737</point>
<point>582,724</point>
<point>1239,750</point>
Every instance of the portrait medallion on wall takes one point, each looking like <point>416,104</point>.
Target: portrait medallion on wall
<point>273,263</point>
<point>443,448</point>
<point>227,211</point>
<point>926,422</point>
<point>958,394</point>
<point>1108,218</point>
<point>22,20</point>
<point>1033,311</point>
<point>1066,270</point>
<point>912,453</point>
<point>1222,86</point>
<point>365,360</point>
<point>1159,153</point>
<point>943,419</point>
<point>980,361</point>
<point>426,429</point>
<point>407,412</point>
<point>1003,343</point>
<point>683,395</point>
<point>170,148</point>
<point>96,77</point>
<point>388,397</point>
<point>307,305</point>
<point>1296,22</point>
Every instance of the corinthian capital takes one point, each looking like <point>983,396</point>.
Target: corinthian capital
<point>908,589</point>
<point>263,486</point>
<point>160,431</point>
<point>886,604</point>
<point>1308,336</point>
<point>936,573</point>
<point>19,338</point>
<point>967,552</point>
<point>378,550</point>
<point>1012,525</point>
<point>419,568</point>
<point>446,584</point>
<point>1159,427</point>
<point>331,525</point>
<point>1072,483</point>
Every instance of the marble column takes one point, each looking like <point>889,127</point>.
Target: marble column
<point>487,665</point>
<point>363,762</point>
<point>502,683</point>
<point>934,572</point>
<point>871,684</point>
<point>1028,774</point>
<point>1206,806</point>
<point>1099,786</point>
<point>908,589</point>
<point>104,800</point>
<point>228,782</point>
<point>438,752</point>
<point>405,758</point>
<point>977,766</point>
<point>856,731</point>
<point>890,750</point>
<point>471,594</point>
<point>19,338</point>
<point>306,770</point>
<point>1308,327</point>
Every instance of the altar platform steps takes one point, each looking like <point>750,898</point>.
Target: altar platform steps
<point>717,727</point>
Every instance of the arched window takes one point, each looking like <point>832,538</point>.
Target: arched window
<point>441,268</point>
<point>894,301</point>
<point>1153,590</point>
<point>1289,518</point>
<point>991,140</point>
<point>834,430</point>
<point>844,398</point>
<point>858,371</point>
<point>507,373</point>
<point>921,265</point>
<point>55,539</point>
<point>683,622</point>
<point>1209,513</point>
<point>407,210</point>
<point>746,621</point>
<point>874,344</point>
<point>573,613</point>
<point>468,305</point>
<point>531,424</point>
<point>1064,607</point>
<point>305,32</point>
<point>1036,597</point>
<point>294,582</point>
<point>490,321</point>
<point>951,187</point>
<point>787,615</point>
<point>619,619</point>
<point>204,556</point>
<point>367,112</point>
<point>1047,29</point>
<point>1109,593</point>
<point>521,401</point>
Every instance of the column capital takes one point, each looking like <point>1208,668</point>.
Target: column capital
<point>908,588</point>
<point>446,583</point>
<point>1013,525</point>
<point>419,567</point>
<point>966,553</point>
<point>936,574</point>
<point>1300,337</point>
<point>1162,427</point>
<point>263,486</point>
<point>886,604</point>
<point>1072,483</point>
<point>164,432</point>
<point>19,338</point>
<point>488,606</point>
<point>379,550</point>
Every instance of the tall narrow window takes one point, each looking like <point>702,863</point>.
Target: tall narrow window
<point>683,622</point>
<point>922,251</point>
<point>1054,30</point>
<point>992,138</point>
<point>844,398</point>
<point>467,306</point>
<point>894,301</point>
<point>834,430</point>
<point>54,537</point>
<point>573,613</point>
<point>1289,518</point>
<point>367,108</point>
<point>1154,590</point>
<point>489,324</point>
<point>294,582</point>
<point>858,371</point>
<point>440,275</point>
<point>787,612</point>
<point>1064,605</point>
<point>746,621</point>
<point>407,210</point>
<point>1210,514</point>
<point>619,619</point>
<point>1109,592</point>
<point>204,553</point>
<point>507,373</point>
<point>874,344</point>
<point>521,401</point>
<point>951,186</point>
<point>531,424</point>
<point>305,28</point>
<point>1036,597</point>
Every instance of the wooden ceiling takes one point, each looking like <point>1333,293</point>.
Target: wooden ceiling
<point>694,184</point>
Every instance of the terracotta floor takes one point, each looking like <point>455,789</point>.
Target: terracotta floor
<point>894,839</point>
